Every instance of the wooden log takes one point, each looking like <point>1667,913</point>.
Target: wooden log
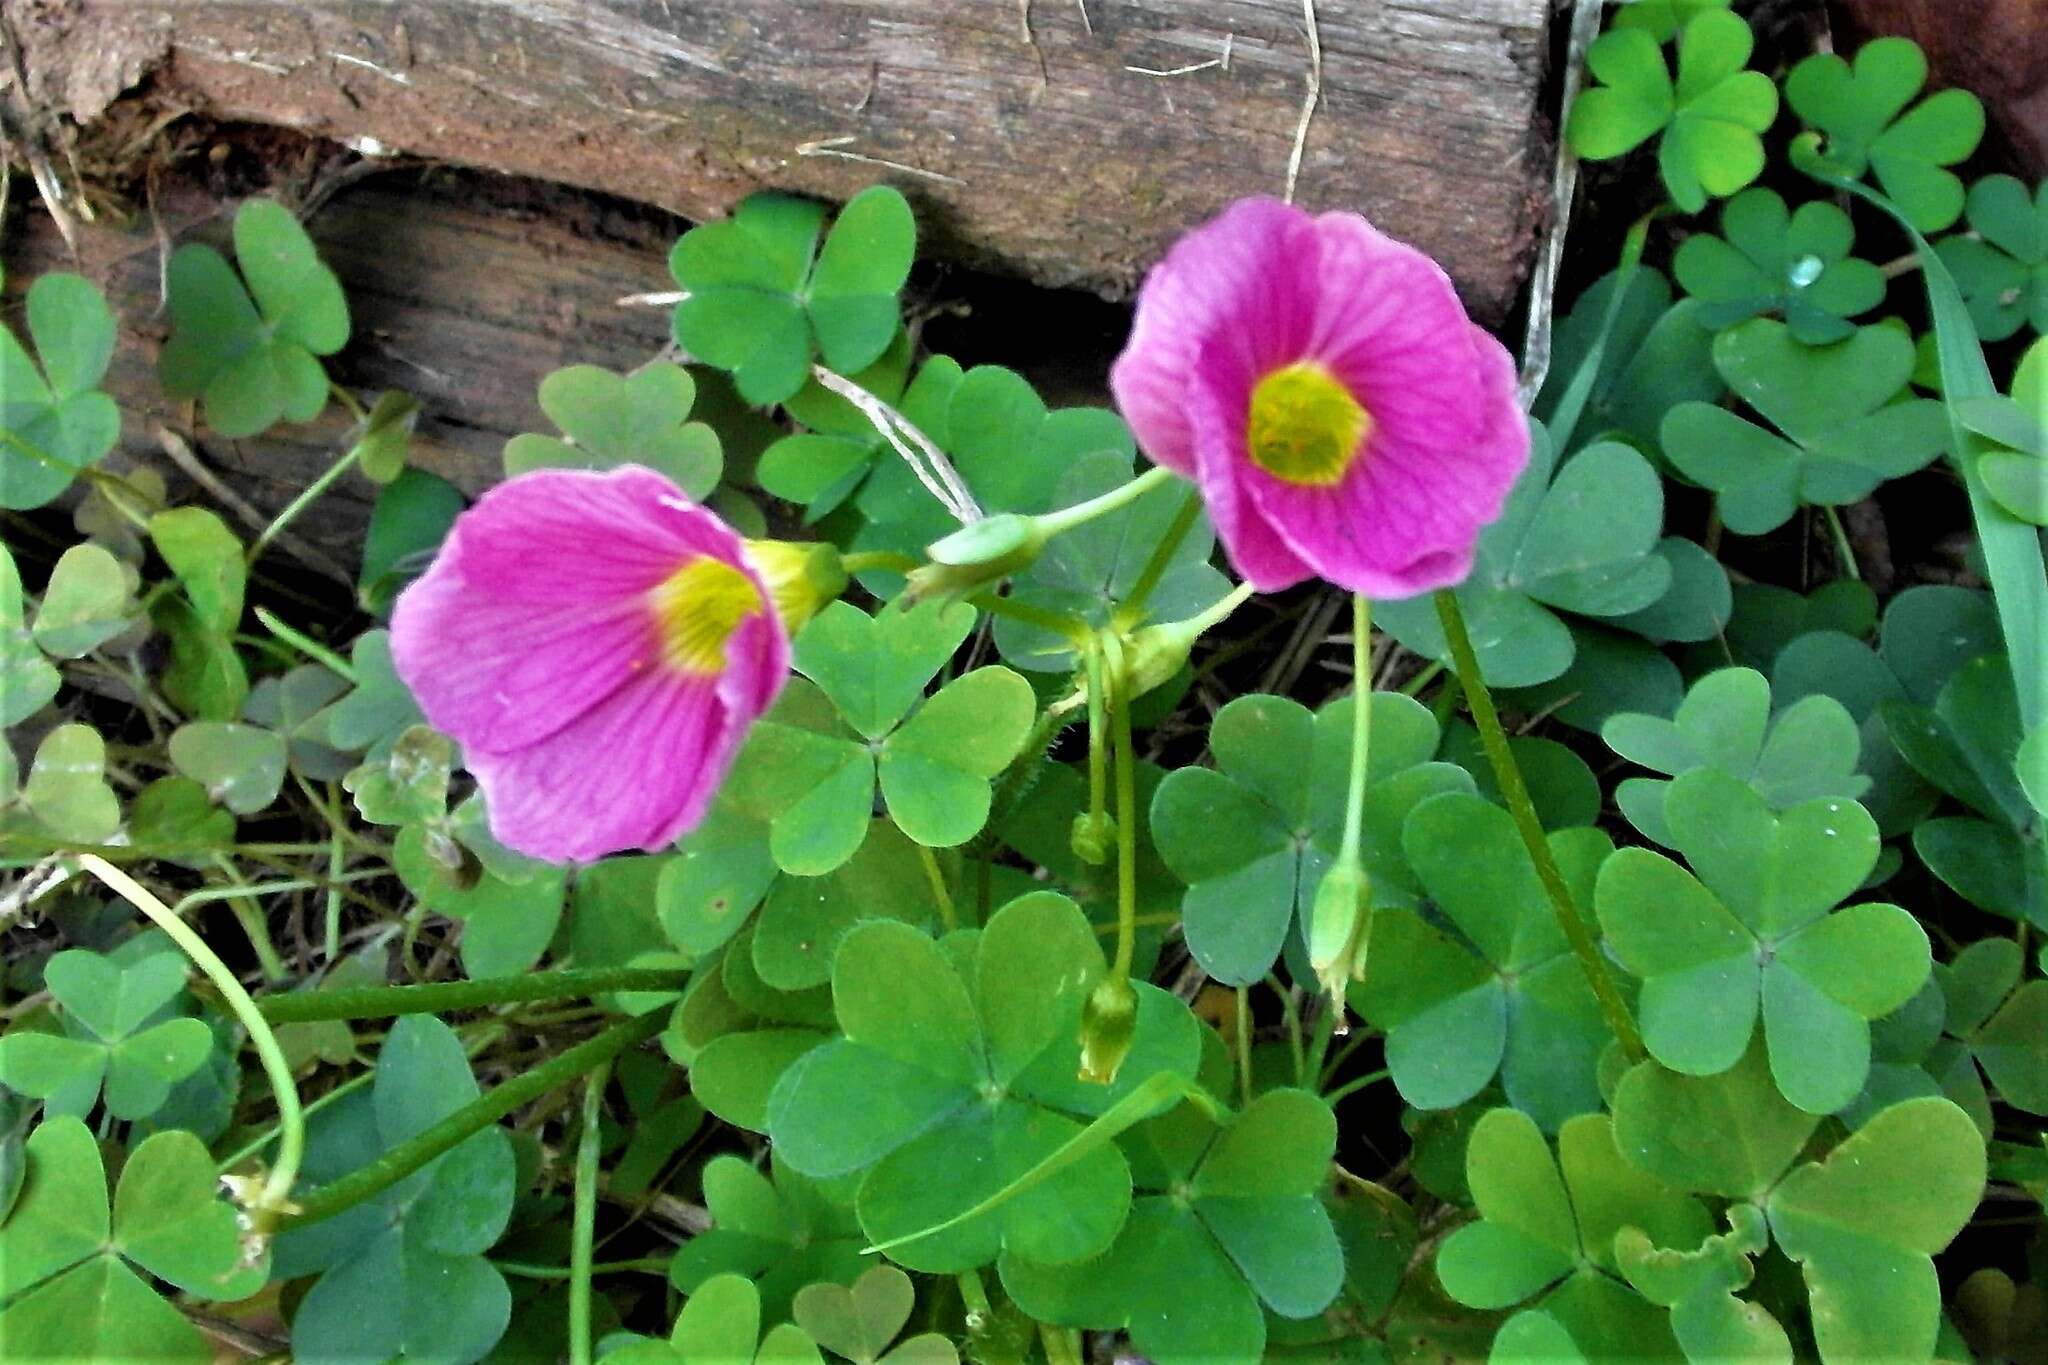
<point>1066,139</point>
<point>1997,48</point>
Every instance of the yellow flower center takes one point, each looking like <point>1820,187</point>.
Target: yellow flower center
<point>1305,427</point>
<point>696,610</point>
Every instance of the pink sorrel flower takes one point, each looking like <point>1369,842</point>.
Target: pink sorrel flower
<point>599,645</point>
<point>1322,385</point>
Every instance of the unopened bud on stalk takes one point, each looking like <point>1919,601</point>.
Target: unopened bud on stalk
<point>802,576</point>
<point>1108,1021</point>
<point>976,556</point>
<point>1094,837</point>
<point>1339,926</point>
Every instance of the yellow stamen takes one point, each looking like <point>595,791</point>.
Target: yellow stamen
<point>1305,427</point>
<point>696,610</point>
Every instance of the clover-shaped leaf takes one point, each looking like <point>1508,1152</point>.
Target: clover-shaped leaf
<point>721,1322</point>
<point>1501,993</point>
<point>1253,836</point>
<point>610,419</point>
<point>1547,1230</point>
<point>1710,117</point>
<point>1225,1222</point>
<point>821,466</point>
<point>410,519</point>
<point>241,766</point>
<point>762,292</point>
<point>1839,434</point>
<point>86,603</point>
<point>860,1319</point>
<point>410,785</point>
<point>1656,355</point>
<point>2015,469</point>
<point>66,790</point>
<point>118,1030</point>
<point>377,711</point>
<point>69,1287</point>
<point>1864,1224</point>
<point>506,926</point>
<point>54,420</point>
<point>1965,744</point>
<point>27,680</point>
<point>1585,542</point>
<point>804,918</point>
<point>933,766</point>
<point>1832,664</point>
<point>1807,751</point>
<point>206,677</point>
<point>1662,19</point>
<point>1993,1026</point>
<point>1089,570</point>
<point>403,1273</point>
<point>252,360</point>
<point>1769,260</point>
<point>782,1234</point>
<point>949,1095</point>
<point>1754,926</point>
<point>738,1035</point>
<point>2003,269</point>
<point>1729,1134</point>
<point>1930,631</point>
<point>1862,111</point>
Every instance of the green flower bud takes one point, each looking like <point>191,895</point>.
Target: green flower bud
<point>1094,837</point>
<point>802,576</point>
<point>1339,926</point>
<point>1108,1021</point>
<point>1153,655</point>
<point>977,555</point>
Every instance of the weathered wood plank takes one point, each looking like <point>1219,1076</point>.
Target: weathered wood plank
<point>1052,156</point>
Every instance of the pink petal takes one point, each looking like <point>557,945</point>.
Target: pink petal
<point>640,768</point>
<point>1241,268</point>
<point>534,611</point>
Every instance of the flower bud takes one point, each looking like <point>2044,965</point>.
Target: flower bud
<point>1153,655</point>
<point>802,576</point>
<point>1094,837</point>
<point>1108,1021</point>
<point>1339,925</point>
<point>977,555</point>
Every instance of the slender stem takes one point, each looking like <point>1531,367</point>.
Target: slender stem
<point>1061,1348</point>
<point>291,1138</point>
<point>1290,1010</point>
<point>1516,792</point>
<point>1354,1086</point>
<point>860,561</point>
<point>583,1224</point>
<point>1845,553</point>
<point>942,895</point>
<point>645,1265</point>
<point>1126,838</point>
<point>385,1002</point>
<point>1422,679</point>
<point>312,649</point>
<point>1098,740</point>
<point>1242,1022</point>
<point>269,1135</point>
<point>309,495</point>
<point>1361,725</point>
<point>1132,609</point>
<point>401,1161</point>
<point>1081,513</point>
<point>249,914</point>
<point>1073,628</point>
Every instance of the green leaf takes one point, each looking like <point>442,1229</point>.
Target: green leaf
<point>1839,434</point>
<point>1729,1134</point>
<point>1770,260</point>
<point>380,449</point>
<point>804,918</point>
<point>609,419</point>
<point>1862,112</point>
<point>861,269</point>
<point>86,603</point>
<point>27,681</point>
<point>1710,117</point>
<point>1653,357</point>
<point>859,1320</point>
<point>252,362</point>
<point>372,717</point>
<point>935,769</point>
<point>241,766</point>
<point>783,1234</point>
<point>1662,19</point>
<point>874,668</point>
<point>54,420</point>
<point>1584,543</point>
<point>67,789</point>
<point>1864,1223</point>
<point>412,516</point>
<point>207,677</point>
<point>410,785</point>
<point>2003,269</point>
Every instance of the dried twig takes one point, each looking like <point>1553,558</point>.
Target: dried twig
<point>1543,287</point>
<point>1309,100</point>
<point>21,126</point>
<point>182,455</point>
<point>925,459</point>
<point>836,146</point>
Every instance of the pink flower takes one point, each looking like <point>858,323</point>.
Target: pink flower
<point>599,645</point>
<point>1322,385</point>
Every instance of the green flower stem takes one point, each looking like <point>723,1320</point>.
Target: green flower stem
<point>583,1225</point>
<point>1132,608</point>
<point>1073,628</point>
<point>861,561</point>
<point>520,1270</point>
<point>291,1135</point>
<point>1062,1344</point>
<point>1509,776</point>
<point>1421,680</point>
<point>1361,726</point>
<point>1571,406</point>
<point>249,914</point>
<point>1081,513</point>
<point>1353,1087</point>
<point>1844,551</point>
<point>1242,1020</point>
<point>1126,838</point>
<point>312,649</point>
<point>941,893</point>
<point>479,1114</point>
<point>1098,740</point>
<point>308,495</point>
<point>384,1002</point>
